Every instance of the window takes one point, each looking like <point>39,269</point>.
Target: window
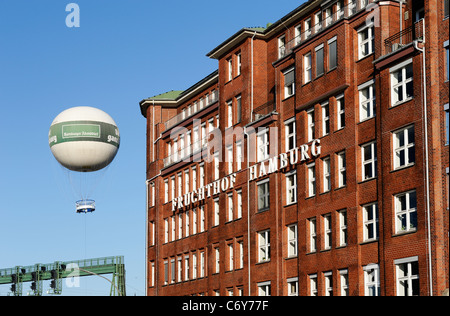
<point>264,289</point>
<point>318,21</point>
<point>406,212</point>
<point>311,179</point>
<point>371,280</point>
<point>216,165</point>
<point>292,284</point>
<point>313,284</point>
<point>239,63</point>
<point>325,119</point>
<point>342,171</point>
<point>201,174</point>
<point>172,187</point>
<point>180,225</point>
<point>194,265</point>
<point>179,269</point>
<point>230,113</point>
<point>328,16</point>
<point>230,255</point>
<point>342,228</point>
<point>172,270</point>
<point>343,278</point>
<point>311,125</point>
<point>327,231</point>
<point>447,67</point>
<point>307,28</point>
<point>340,111</point>
<point>241,254</point>
<point>366,100</point>
<point>186,181</point>
<point>166,230</point>
<point>281,46</point>
<point>180,184</point>
<point>370,222</point>
<point>320,69</point>
<point>291,187</point>
<point>326,174</point>
<point>289,82</point>
<point>230,207</point>
<point>332,53</point>
<point>369,161</point>
<point>328,276</point>
<point>298,34</point>
<point>216,212</point>
<point>239,157</point>
<point>238,109</point>
<point>173,228</point>
<point>230,69</point>
<point>447,134</point>
<point>194,221</point>
<point>188,224</point>
<point>166,190</point>
<point>202,218</point>
<point>292,240</point>
<point>263,144</point>
<point>239,204</point>
<point>202,263</point>
<point>404,150</point>
<point>366,40</point>
<point>263,195</point>
<point>217,259</point>
<point>194,178</point>
<point>407,275</point>
<point>402,87</point>
<point>312,234</point>
<point>264,246</point>
<point>290,134</point>
<point>186,267</point>
<point>307,68</point>
<point>230,159</point>
<point>166,272</point>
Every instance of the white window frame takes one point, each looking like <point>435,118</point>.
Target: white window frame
<point>370,222</point>
<point>291,187</point>
<point>397,97</point>
<point>327,232</point>
<point>343,282</point>
<point>263,198</point>
<point>342,228</point>
<point>328,278</point>
<point>312,234</point>
<point>406,218</point>
<point>230,216</point>
<point>229,113</point>
<point>239,204</point>
<point>320,62</point>
<point>264,245</point>
<point>326,127</point>
<point>230,68</point>
<point>292,240</point>
<point>281,46</point>
<point>263,145</point>
<point>289,86</point>
<point>405,280</point>
<point>230,158</point>
<point>371,161</point>
<point>307,68</point>
<point>312,284</point>
<point>264,288</point>
<point>340,111</point>
<point>239,157</point>
<point>371,280</point>
<point>311,125</point>
<point>292,286</point>
<point>332,41</point>
<point>369,41</point>
<point>290,135</point>
<point>404,150</point>
<point>216,212</point>
<point>166,190</point>
<point>342,169</point>
<point>311,179</point>
<point>367,104</point>
<point>326,163</point>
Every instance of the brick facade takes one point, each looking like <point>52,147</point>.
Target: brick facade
<point>341,233</point>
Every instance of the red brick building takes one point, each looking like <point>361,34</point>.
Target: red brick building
<point>314,161</point>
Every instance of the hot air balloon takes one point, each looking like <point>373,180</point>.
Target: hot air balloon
<point>84,140</point>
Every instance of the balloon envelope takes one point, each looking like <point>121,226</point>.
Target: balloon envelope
<point>84,139</point>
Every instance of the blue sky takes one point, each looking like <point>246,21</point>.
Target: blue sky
<point>123,52</point>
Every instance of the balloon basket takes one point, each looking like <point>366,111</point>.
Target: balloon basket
<point>85,206</point>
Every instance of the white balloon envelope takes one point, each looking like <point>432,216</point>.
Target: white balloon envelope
<point>84,139</point>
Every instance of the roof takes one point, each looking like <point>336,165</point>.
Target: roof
<point>261,32</point>
<point>170,95</point>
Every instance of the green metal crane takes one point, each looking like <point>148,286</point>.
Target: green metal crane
<point>57,271</point>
